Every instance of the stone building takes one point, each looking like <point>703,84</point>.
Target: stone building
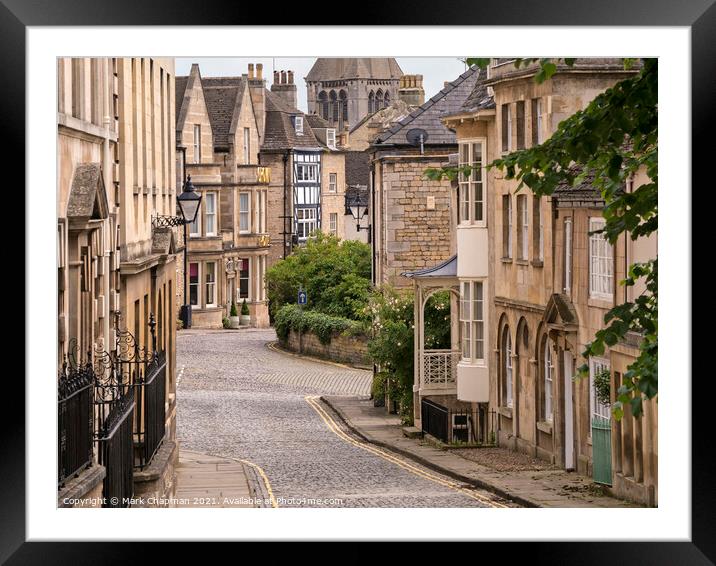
<point>372,125</point>
<point>534,283</point>
<point>219,127</point>
<point>413,218</point>
<point>116,276</point>
<point>345,90</point>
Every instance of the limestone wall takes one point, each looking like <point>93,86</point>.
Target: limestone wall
<point>344,349</point>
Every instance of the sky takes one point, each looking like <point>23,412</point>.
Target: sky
<point>435,70</point>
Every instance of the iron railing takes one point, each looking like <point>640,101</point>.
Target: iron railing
<point>470,426</point>
<point>74,421</point>
<point>440,367</point>
<point>149,421</point>
<point>115,451</point>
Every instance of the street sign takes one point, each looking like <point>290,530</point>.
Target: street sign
<point>302,297</point>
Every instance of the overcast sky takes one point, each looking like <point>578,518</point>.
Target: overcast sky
<point>435,70</point>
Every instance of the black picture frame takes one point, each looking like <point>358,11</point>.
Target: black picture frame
<point>699,15</point>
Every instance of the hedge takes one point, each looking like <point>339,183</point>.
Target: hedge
<point>293,317</point>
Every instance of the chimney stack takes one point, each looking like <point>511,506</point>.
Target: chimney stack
<point>257,91</point>
<point>411,90</point>
<point>284,87</point>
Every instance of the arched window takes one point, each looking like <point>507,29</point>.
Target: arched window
<point>323,104</point>
<point>378,100</point>
<point>386,100</point>
<point>507,361</point>
<point>548,372</point>
<point>371,102</point>
<point>334,106</point>
<point>343,98</point>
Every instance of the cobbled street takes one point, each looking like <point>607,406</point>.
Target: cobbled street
<point>237,398</point>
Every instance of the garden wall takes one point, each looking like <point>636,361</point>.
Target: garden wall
<point>343,349</point>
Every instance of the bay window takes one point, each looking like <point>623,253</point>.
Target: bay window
<point>470,183</point>
<point>472,321</point>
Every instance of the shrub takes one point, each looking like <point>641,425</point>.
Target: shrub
<point>180,324</point>
<point>244,308</point>
<point>293,317</point>
<point>226,322</point>
<point>233,309</point>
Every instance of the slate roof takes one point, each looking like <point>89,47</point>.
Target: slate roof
<point>581,192</point>
<point>357,168</point>
<point>279,133</point>
<point>179,90</point>
<point>316,121</point>
<point>223,96</point>
<point>337,68</point>
<point>448,268</point>
<point>479,98</point>
<point>427,117</point>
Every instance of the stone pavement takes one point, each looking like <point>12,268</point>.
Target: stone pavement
<point>531,488</point>
<point>210,481</point>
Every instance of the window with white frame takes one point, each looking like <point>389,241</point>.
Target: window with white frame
<point>333,223</point>
<point>242,292</point>
<point>247,146</point>
<point>306,172</point>
<point>332,182</point>
<point>507,352</point>
<point>195,227</point>
<point>471,189</point>
<point>537,137</point>
<point>210,283</point>
<point>197,143</point>
<point>522,226</point>
<point>244,212</point>
<point>472,321</point>
<point>601,262</point>
<point>261,211</point>
<point>331,138</point>
<point>548,372</point>
<point>596,366</point>
<point>210,212</point>
<point>567,255</point>
<point>194,284</point>
<point>507,226</point>
<point>306,222</point>
<point>298,125</point>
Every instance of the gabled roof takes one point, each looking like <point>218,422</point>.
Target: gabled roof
<point>427,117</point>
<point>223,96</point>
<point>279,132</point>
<point>448,268</point>
<point>337,68</point>
<point>182,96</point>
<point>388,116</point>
<point>88,198</point>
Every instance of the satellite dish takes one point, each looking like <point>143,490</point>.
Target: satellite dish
<point>417,136</point>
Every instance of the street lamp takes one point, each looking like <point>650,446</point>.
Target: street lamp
<point>358,211</point>
<point>189,201</point>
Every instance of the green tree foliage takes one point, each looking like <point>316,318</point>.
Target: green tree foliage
<point>294,317</point>
<point>334,273</point>
<point>610,140</point>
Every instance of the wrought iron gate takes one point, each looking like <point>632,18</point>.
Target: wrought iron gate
<point>75,425</point>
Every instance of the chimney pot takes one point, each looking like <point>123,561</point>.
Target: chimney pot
<point>290,77</point>
<point>276,79</point>
<point>251,70</point>
<point>260,71</point>
<point>283,77</point>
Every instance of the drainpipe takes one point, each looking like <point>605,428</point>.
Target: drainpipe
<point>285,214</point>
<point>372,222</point>
<point>109,185</point>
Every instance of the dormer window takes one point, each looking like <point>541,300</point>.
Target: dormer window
<point>298,125</point>
<point>331,138</point>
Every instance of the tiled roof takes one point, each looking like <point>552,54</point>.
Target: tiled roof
<point>316,121</point>
<point>357,168</point>
<point>387,116</point>
<point>479,98</point>
<point>179,89</point>
<point>584,191</point>
<point>427,117</point>
<point>447,268</point>
<point>279,132</point>
<point>223,97</point>
<point>336,68</point>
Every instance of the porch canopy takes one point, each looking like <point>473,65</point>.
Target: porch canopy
<point>435,370</point>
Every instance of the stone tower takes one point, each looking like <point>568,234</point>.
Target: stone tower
<point>346,90</point>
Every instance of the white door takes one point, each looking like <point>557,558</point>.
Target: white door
<point>568,412</point>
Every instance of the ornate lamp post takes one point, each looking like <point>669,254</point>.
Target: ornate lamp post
<point>358,211</point>
<point>189,202</point>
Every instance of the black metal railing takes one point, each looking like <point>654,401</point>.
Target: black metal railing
<point>115,451</point>
<point>74,421</point>
<point>457,426</point>
<point>149,421</point>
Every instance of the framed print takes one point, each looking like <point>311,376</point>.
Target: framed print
<point>314,287</point>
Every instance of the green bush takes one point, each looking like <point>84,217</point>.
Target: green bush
<point>226,322</point>
<point>233,309</point>
<point>335,274</point>
<point>293,317</point>
<point>244,308</point>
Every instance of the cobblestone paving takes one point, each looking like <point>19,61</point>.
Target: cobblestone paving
<point>238,398</point>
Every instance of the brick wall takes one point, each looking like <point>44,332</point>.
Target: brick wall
<point>344,349</point>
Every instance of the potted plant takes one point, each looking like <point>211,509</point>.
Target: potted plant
<point>234,320</point>
<point>245,318</point>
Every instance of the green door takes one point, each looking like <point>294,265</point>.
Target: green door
<point>601,450</point>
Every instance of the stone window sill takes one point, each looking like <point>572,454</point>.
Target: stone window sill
<point>600,302</point>
<point>506,260</point>
<point>537,263</point>
<point>522,262</point>
<point>544,426</point>
<point>505,411</point>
